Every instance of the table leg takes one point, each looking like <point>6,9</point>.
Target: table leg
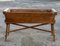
<point>7,30</point>
<point>52,31</point>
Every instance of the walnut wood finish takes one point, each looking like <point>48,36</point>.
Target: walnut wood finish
<point>43,16</point>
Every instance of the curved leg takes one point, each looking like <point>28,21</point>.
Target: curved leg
<point>7,30</point>
<point>52,31</point>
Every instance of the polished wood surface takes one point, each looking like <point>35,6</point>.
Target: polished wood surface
<point>44,16</point>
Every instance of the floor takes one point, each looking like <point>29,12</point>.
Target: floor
<point>30,37</point>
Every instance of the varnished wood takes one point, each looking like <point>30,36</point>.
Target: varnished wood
<point>7,30</point>
<point>18,29</point>
<point>42,30</point>
<point>52,31</point>
<point>31,26</point>
<point>43,16</point>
